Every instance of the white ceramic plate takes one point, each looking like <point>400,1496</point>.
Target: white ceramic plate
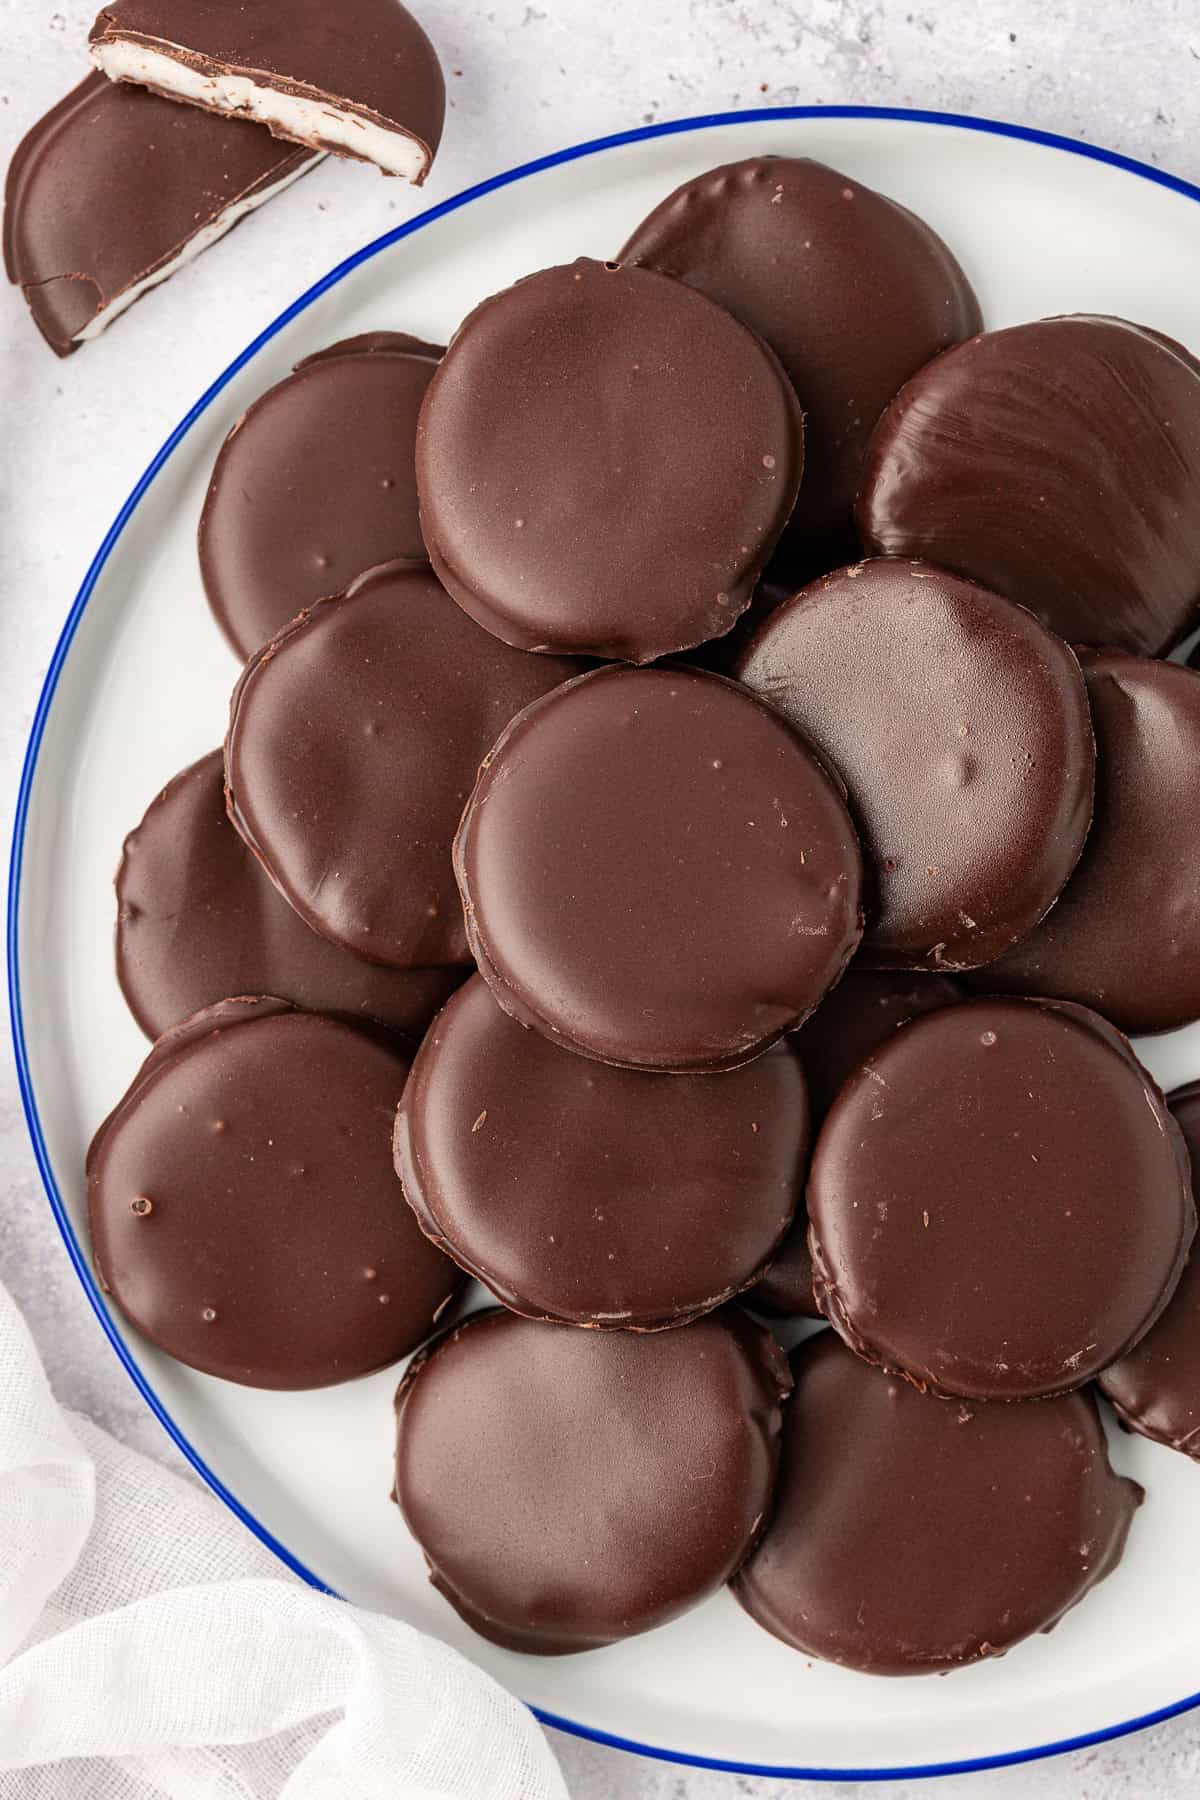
<point>139,687</point>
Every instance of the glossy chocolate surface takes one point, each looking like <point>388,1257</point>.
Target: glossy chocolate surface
<point>571,1488</point>
<point>1123,937</point>
<point>313,486</point>
<point>912,1535</point>
<point>244,1211</point>
<point>960,727</point>
<point>657,872</point>
<point>1057,463</point>
<point>1000,1201</point>
<point>852,292</point>
<point>1156,1387</point>
<point>605,461</point>
<point>198,920</point>
<point>594,1195</point>
<point>111,186</point>
<point>354,739</point>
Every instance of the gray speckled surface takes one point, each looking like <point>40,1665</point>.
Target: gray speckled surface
<point>526,78</point>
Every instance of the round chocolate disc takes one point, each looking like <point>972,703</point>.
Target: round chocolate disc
<point>354,738</point>
<point>852,292</point>
<point>605,461</point>
<point>1058,463</point>
<point>911,1536</point>
<point>197,920</point>
<point>661,1195</point>
<point>960,726</point>
<point>1156,1387</point>
<point>570,1488</point>
<point>1123,936</point>
<point>657,872</point>
<point>861,1011</point>
<point>313,485</point>
<point>244,1211</point>
<point>1000,1201</point>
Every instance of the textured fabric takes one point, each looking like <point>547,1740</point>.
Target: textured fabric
<point>149,1646</point>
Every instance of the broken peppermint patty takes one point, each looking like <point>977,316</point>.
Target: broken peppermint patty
<point>115,188</point>
<point>359,79</point>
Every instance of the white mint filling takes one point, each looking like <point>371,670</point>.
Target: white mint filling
<point>195,246</point>
<point>315,122</point>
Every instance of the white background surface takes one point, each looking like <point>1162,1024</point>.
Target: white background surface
<point>74,436</point>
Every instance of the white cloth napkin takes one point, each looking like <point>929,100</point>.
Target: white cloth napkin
<point>150,1646</point>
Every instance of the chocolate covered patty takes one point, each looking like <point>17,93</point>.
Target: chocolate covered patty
<point>570,1488</point>
<point>605,461</point>
<point>361,80</point>
<point>861,1011</point>
<point>314,485</point>
<point>1058,463</point>
<point>910,1535</point>
<point>852,292</point>
<point>372,343</point>
<point>244,1211</point>
<point>198,919</point>
<point>1124,936</point>
<point>960,726</point>
<point>594,1195</point>
<point>1156,1387</point>
<point>354,738</point>
<point>999,1200</point>
<point>114,188</point>
<point>657,872</point>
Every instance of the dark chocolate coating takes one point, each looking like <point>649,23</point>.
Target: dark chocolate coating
<point>376,343</point>
<point>911,1535</point>
<point>197,919</point>
<point>1156,1387</point>
<point>313,486</point>
<point>112,185</point>
<point>861,1011</point>
<point>592,1195</point>
<point>721,654</point>
<point>571,1488</point>
<point>244,1211</point>
<point>960,727</point>
<point>605,462</point>
<point>1000,1202</point>
<point>786,1290</point>
<point>1058,463</point>
<point>354,738</point>
<point>852,292</point>
<point>657,872</point>
<point>369,58</point>
<point>1123,936</point>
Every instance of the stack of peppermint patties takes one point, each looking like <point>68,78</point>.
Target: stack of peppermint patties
<point>705,800</point>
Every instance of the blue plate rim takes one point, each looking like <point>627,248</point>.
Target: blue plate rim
<point>573,153</point>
